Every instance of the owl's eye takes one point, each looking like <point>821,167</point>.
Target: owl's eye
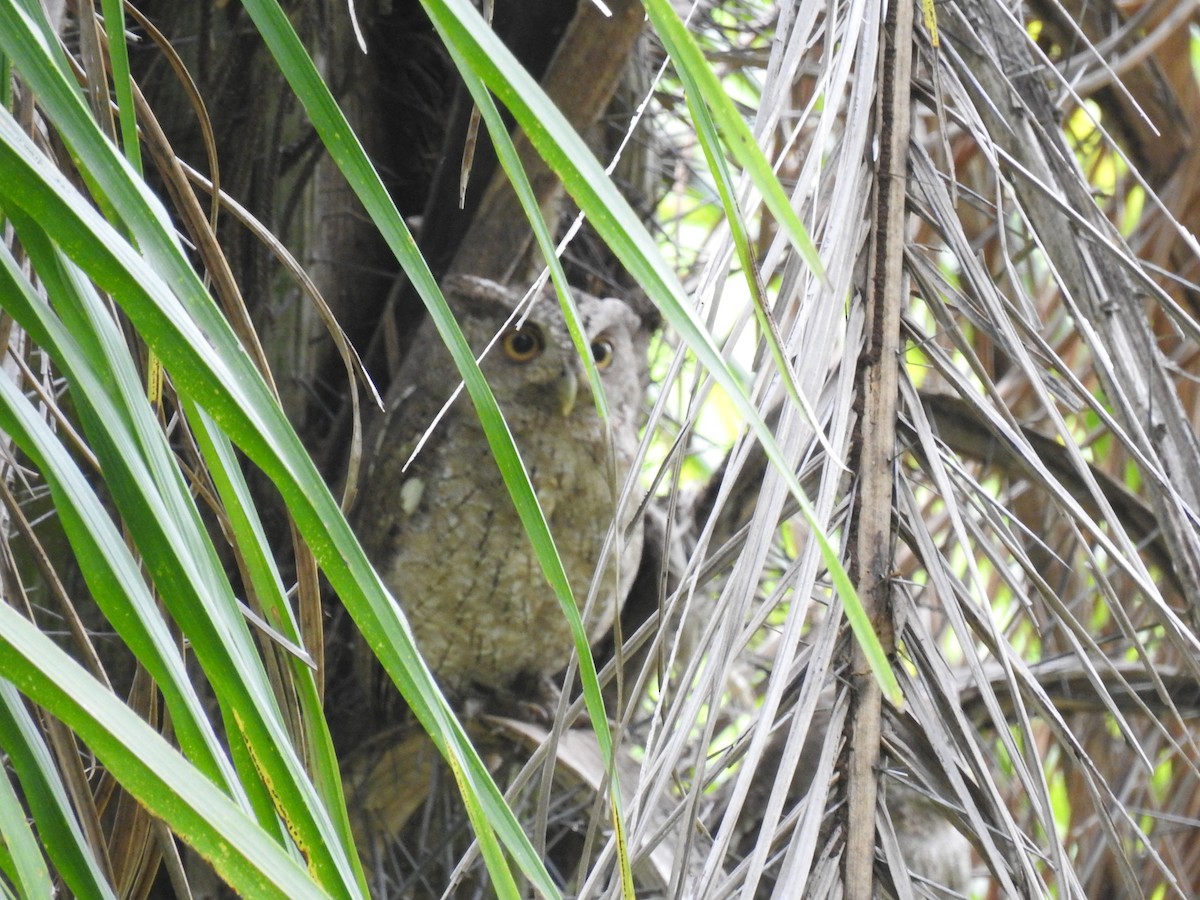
<point>602,352</point>
<point>522,345</point>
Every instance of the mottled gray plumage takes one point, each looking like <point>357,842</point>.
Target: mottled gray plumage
<point>444,534</point>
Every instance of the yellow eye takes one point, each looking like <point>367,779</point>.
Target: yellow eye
<point>602,352</point>
<point>523,344</point>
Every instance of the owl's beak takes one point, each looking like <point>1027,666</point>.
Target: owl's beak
<point>568,390</point>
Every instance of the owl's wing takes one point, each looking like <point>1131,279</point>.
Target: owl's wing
<point>398,457</point>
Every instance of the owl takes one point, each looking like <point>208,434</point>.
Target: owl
<point>443,532</point>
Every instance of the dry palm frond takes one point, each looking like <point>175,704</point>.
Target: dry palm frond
<point>1045,519</point>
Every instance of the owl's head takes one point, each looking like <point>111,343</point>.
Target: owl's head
<point>533,364</point>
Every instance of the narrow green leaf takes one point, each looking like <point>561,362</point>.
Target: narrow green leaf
<point>251,540</point>
<point>518,480</point>
<point>118,53</point>
<point>111,573</point>
<point>24,864</point>
<point>687,63</point>
<point>707,135</point>
<point>159,513</point>
<point>58,830</point>
<point>162,780</point>
<point>704,89</point>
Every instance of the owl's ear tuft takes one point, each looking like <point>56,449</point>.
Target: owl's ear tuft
<point>652,320</point>
<point>472,291</point>
<point>640,326</point>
